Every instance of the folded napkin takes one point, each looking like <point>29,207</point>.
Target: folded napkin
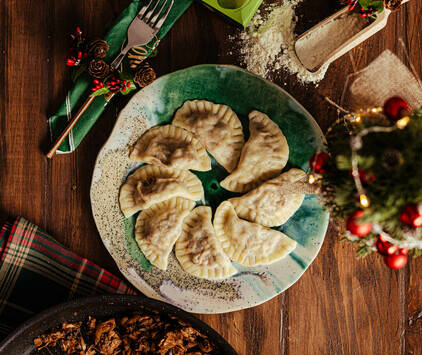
<point>36,272</point>
<point>80,91</point>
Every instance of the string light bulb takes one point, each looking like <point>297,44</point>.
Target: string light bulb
<point>403,122</point>
<point>364,201</point>
<point>376,109</point>
<point>311,179</point>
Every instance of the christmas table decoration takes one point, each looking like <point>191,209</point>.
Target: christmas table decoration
<point>94,58</point>
<point>88,57</point>
<point>371,174</point>
<point>371,8</point>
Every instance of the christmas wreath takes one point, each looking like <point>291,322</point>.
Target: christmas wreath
<point>371,175</point>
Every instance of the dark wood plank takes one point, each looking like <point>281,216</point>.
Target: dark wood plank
<point>413,320</point>
<point>251,331</point>
<point>340,300</point>
<point>24,92</point>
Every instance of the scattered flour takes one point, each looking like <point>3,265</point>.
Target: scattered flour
<point>267,44</point>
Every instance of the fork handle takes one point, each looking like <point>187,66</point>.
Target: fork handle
<point>116,62</point>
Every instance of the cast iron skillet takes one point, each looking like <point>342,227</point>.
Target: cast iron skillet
<point>20,341</point>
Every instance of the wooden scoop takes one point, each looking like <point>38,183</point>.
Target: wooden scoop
<point>325,42</point>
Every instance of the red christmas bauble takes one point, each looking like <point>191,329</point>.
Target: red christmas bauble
<point>356,228</point>
<point>411,216</point>
<point>364,175</point>
<point>395,108</point>
<point>317,163</point>
<point>396,261</point>
<point>386,248</point>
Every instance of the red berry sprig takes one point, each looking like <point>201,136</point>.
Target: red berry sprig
<point>75,60</point>
<point>98,85</point>
<point>78,38</point>
<point>370,11</point>
<point>78,51</point>
<point>352,4</point>
<point>366,8</point>
<point>116,84</point>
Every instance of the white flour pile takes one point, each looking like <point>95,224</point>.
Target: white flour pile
<point>268,44</point>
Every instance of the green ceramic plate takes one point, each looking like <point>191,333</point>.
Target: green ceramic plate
<point>156,104</point>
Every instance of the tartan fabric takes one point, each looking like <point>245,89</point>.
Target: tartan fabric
<point>36,272</point>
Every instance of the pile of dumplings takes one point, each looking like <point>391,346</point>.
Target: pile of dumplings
<point>165,191</point>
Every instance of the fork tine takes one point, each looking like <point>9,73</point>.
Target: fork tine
<point>151,12</point>
<point>163,18</point>
<point>154,19</point>
<point>143,9</point>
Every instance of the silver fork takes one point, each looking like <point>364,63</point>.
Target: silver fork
<point>144,27</point>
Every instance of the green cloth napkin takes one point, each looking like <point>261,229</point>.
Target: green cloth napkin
<point>80,91</point>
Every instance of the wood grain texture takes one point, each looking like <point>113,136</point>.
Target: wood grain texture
<point>340,306</point>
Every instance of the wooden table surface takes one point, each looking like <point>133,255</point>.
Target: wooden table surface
<point>340,306</point>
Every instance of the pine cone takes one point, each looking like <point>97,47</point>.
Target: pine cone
<point>98,68</point>
<point>145,75</point>
<point>392,159</point>
<point>98,48</point>
<point>392,4</point>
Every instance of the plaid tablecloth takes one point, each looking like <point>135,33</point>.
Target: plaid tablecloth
<point>36,272</point>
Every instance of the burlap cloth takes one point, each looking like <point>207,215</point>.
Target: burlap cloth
<point>385,77</point>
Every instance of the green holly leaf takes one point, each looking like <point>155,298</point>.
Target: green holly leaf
<point>376,4</point>
<point>379,6</point>
<point>76,73</point>
<point>154,53</point>
<point>365,4</point>
<point>100,92</point>
<point>343,162</point>
<point>129,89</point>
<point>365,162</point>
<point>125,76</point>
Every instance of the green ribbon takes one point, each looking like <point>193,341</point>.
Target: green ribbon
<point>81,90</point>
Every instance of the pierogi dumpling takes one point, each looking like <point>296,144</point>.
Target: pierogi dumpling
<point>158,227</point>
<point>216,126</point>
<point>263,156</point>
<point>275,201</point>
<point>247,243</point>
<point>172,147</point>
<point>151,184</point>
<point>198,249</point>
